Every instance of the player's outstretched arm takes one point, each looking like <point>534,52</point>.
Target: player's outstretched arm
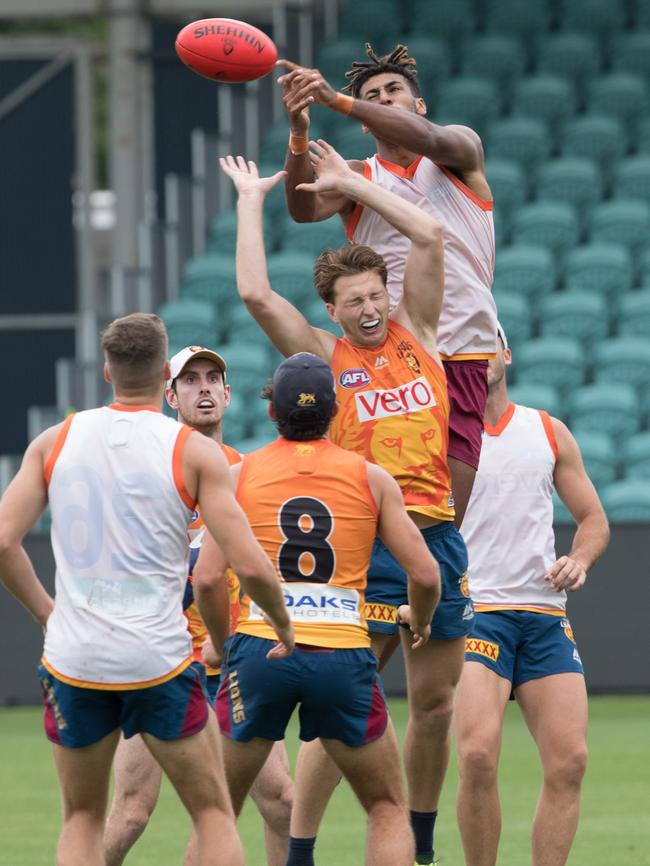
<point>404,540</point>
<point>576,490</point>
<point>419,308</point>
<point>207,475</point>
<point>454,146</point>
<point>21,506</point>
<point>283,323</point>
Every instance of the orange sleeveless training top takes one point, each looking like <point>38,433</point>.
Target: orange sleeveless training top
<point>311,509</point>
<point>394,411</point>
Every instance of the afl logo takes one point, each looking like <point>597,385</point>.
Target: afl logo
<point>354,377</point>
<point>195,517</point>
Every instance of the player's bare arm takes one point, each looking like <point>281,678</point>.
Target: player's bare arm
<point>456,147</point>
<point>207,476</point>
<point>576,490</point>
<point>419,309</point>
<point>210,583</point>
<point>21,506</point>
<point>405,542</point>
<point>283,323</point>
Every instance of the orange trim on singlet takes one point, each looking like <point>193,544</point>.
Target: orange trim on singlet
<point>355,216</point>
<point>399,170</point>
<point>118,687</point>
<point>502,423</point>
<point>177,467</point>
<point>62,435</point>
<point>485,204</point>
<point>550,432</point>
<point>493,608</point>
<point>470,356</point>
<point>119,408</point>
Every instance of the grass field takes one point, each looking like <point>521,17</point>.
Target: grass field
<point>614,828</point>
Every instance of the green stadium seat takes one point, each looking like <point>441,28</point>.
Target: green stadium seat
<point>262,436</point>
<point>352,142</point>
<point>574,56</point>
<point>496,57</point>
<point>602,268</point>
<point>644,266</point>
<point>641,141</point>
<point>379,24</point>
<point>242,328</point>
<point>580,315</point>
<point>640,14</point>
<point>571,179</point>
<point>619,95</point>
<point>524,269</point>
<point>553,225</point>
<point>627,501</point>
<point>635,456</point>
<point>316,314</point>
<point>632,178</point>
<point>512,16</point>
<point>520,139</point>
<point>190,322</point>
<point>501,228</point>
<point>223,234</point>
<point>632,53</point>
<point>634,314</point>
<point>596,137</point>
<point>602,18</point>
<point>335,58</point>
<point>559,362</point>
<point>210,277</point>
<point>621,221</point>
<point>599,456</point>
<point>276,140</point>
<point>604,408</point>
<point>290,275</point>
<point>544,97</point>
<point>508,184</point>
<point>313,238</point>
<point>536,396</point>
<point>561,514</point>
<point>472,102</point>
<point>433,62</point>
<point>514,316</point>
<point>622,359</point>
<point>448,19</point>
<point>248,367</point>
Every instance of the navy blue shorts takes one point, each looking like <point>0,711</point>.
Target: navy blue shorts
<point>213,681</point>
<point>521,645</point>
<point>338,691</point>
<point>386,589</point>
<point>76,716</point>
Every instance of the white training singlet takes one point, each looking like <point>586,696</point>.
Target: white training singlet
<point>468,320</point>
<point>120,513</point>
<point>508,526</point>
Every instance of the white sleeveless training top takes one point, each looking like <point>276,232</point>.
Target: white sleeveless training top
<point>508,526</point>
<point>120,513</point>
<point>468,319</point>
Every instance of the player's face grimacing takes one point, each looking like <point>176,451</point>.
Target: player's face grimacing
<point>389,88</point>
<point>201,396</point>
<point>361,307</point>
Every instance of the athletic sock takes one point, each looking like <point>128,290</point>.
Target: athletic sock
<point>423,824</point>
<point>301,851</point>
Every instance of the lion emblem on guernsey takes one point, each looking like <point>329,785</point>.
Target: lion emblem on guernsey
<point>405,352</point>
<point>304,450</point>
<point>568,631</point>
<point>306,400</point>
<point>463,583</point>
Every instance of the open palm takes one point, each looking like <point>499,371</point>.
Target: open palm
<point>245,175</point>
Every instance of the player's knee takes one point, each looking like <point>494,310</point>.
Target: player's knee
<point>567,770</point>
<point>132,814</point>
<point>434,715</point>
<point>275,807</point>
<point>478,763</point>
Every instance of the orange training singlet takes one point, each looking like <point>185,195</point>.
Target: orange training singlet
<point>311,509</point>
<point>394,411</point>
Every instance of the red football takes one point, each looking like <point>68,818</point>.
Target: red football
<point>226,50</point>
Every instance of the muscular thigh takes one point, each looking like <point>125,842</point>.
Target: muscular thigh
<point>432,671</point>
<point>135,768</point>
<point>555,709</point>
<point>481,699</point>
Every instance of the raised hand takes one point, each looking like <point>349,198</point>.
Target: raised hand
<point>329,167</point>
<point>245,176</point>
<point>301,87</point>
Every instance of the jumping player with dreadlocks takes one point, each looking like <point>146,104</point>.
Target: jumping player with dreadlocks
<point>439,168</point>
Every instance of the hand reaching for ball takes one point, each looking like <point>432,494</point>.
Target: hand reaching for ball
<point>329,167</point>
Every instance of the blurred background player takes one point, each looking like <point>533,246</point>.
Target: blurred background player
<point>199,393</point>
<point>122,482</point>
<point>521,639</point>
<point>441,170</point>
<point>394,412</point>
<point>317,510</point>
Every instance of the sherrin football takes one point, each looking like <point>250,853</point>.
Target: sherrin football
<point>224,49</point>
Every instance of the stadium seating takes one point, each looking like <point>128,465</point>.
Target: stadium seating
<point>627,501</point>
<point>634,314</point>
<point>642,139</point>
<point>351,141</point>
<point>433,63</point>
<point>536,396</point>
<point>574,56</point>
<point>290,275</point>
<point>382,28</point>
<point>521,139</point>
<point>313,238</point>
<point>189,322</point>
<point>524,269</point>
<point>576,314</point>
<point>473,102</point>
<point>316,314</point>
<point>555,361</point>
<point>599,456</point>
<point>495,57</point>
<point>619,95</point>
<point>336,57</point>
<point>223,234</point>
<point>622,360</point>
<point>210,277</point>
<point>552,224</point>
<point>548,98</point>
<point>632,178</point>
<point>508,184</point>
<point>604,408</point>
<point>448,19</point>
<point>635,456</point>
<point>621,221</point>
<point>514,316</point>
<point>248,367</point>
<point>602,18</point>
<point>597,137</point>
<point>571,179</point>
<point>632,53</point>
<point>604,268</point>
<point>528,19</point>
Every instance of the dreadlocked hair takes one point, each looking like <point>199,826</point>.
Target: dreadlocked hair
<point>397,61</point>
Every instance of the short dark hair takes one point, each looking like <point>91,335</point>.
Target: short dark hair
<point>347,261</point>
<point>135,348</point>
<point>314,426</point>
<point>396,61</point>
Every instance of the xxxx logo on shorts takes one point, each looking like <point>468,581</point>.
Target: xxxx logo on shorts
<point>568,631</point>
<point>380,612</point>
<point>463,583</point>
<point>482,648</point>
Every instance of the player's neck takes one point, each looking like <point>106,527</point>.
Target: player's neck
<point>497,403</point>
<point>135,400</point>
<point>395,153</point>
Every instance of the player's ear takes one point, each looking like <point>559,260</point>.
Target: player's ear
<point>107,375</point>
<point>226,396</point>
<point>331,313</point>
<point>172,399</point>
<point>507,357</point>
<point>420,106</point>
